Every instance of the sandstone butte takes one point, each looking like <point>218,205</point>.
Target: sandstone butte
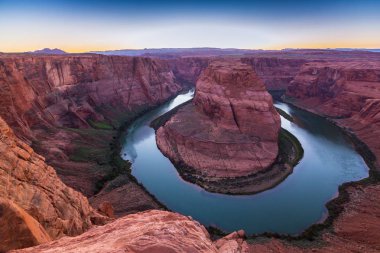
<point>331,88</point>
<point>229,130</point>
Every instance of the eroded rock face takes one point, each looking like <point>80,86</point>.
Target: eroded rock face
<point>36,196</point>
<point>18,229</point>
<point>151,231</point>
<point>346,92</point>
<point>276,72</point>
<point>231,128</point>
<point>69,90</point>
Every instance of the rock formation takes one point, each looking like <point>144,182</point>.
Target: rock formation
<point>18,229</point>
<point>347,93</point>
<point>150,231</point>
<point>231,128</point>
<point>34,203</point>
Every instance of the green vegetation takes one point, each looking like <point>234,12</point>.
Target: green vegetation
<point>100,125</point>
<point>290,147</point>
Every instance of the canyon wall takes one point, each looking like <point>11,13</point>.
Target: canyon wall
<point>187,69</point>
<point>69,91</point>
<point>346,92</point>
<point>35,206</point>
<point>276,72</point>
<point>70,109</point>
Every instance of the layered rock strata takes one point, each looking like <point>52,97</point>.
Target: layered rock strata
<point>34,203</point>
<point>70,109</point>
<point>229,130</point>
<point>348,93</point>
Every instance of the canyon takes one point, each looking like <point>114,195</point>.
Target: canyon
<point>67,113</point>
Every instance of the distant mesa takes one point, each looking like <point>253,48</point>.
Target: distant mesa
<point>48,51</point>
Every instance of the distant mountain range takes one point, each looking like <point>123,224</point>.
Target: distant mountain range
<point>201,51</point>
<point>359,49</point>
<point>208,51</point>
<point>48,51</point>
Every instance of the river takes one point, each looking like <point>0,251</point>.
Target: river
<point>298,202</point>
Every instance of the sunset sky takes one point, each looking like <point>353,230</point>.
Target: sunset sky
<point>80,26</point>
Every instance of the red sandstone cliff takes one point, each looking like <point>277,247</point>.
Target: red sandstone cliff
<point>347,93</point>
<point>231,128</point>
<point>70,108</point>
<point>34,203</point>
<point>68,91</point>
<point>187,69</point>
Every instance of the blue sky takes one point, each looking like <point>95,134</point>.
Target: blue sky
<point>79,26</point>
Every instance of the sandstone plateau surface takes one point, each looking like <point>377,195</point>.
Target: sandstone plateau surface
<point>150,232</point>
<point>231,128</point>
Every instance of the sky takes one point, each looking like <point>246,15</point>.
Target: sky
<point>85,25</point>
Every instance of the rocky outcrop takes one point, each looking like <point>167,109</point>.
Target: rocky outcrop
<point>151,231</point>
<point>347,93</point>
<point>35,204</point>
<point>231,128</point>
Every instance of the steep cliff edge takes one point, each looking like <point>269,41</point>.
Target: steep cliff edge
<point>71,109</point>
<point>230,130</point>
<point>348,93</point>
<point>32,194</point>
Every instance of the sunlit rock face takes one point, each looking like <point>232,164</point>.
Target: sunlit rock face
<point>35,206</point>
<point>230,129</point>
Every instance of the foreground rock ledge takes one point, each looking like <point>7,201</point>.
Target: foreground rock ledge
<point>230,129</point>
<point>151,231</point>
